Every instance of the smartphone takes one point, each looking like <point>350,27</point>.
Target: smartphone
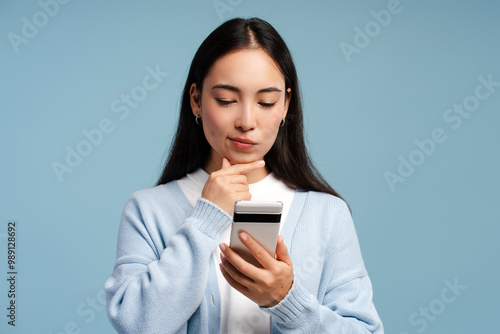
<point>259,219</point>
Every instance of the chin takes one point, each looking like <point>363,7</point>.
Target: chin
<point>242,159</point>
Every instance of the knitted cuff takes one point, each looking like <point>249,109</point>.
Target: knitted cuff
<point>210,219</point>
<point>292,307</point>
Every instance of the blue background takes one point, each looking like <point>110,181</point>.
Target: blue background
<point>362,112</point>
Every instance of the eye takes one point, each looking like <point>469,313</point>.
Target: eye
<point>267,105</point>
<point>224,102</point>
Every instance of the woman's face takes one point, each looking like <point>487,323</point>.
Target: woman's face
<point>242,104</point>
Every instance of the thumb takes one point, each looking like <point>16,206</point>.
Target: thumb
<point>225,163</point>
<point>282,252</point>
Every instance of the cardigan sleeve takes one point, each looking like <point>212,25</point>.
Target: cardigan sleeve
<point>347,305</point>
<point>152,291</point>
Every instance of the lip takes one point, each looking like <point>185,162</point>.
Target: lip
<point>243,140</point>
<point>243,143</point>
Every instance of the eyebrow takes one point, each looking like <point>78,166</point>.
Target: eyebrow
<point>237,90</point>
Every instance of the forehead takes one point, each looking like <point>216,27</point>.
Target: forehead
<point>247,68</point>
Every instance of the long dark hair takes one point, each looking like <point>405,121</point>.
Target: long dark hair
<point>288,158</point>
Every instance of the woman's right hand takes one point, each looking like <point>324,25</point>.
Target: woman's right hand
<point>229,184</point>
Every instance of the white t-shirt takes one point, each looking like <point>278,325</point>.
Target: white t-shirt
<point>238,313</point>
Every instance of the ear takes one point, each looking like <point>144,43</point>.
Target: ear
<point>288,96</point>
<point>195,100</point>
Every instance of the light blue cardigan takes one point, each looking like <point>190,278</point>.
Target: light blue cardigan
<point>164,279</point>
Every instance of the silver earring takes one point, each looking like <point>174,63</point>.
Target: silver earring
<point>197,119</point>
<point>282,122</point>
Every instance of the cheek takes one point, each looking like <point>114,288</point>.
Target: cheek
<point>275,121</point>
<point>272,125</point>
<point>214,123</point>
<point>210,125</point>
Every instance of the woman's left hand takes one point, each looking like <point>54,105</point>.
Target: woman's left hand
<point>267,285</point>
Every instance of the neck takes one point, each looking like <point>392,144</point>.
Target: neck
<point>257,175</point>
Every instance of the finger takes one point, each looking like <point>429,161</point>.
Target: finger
<point>258,252</point>
<point>282,252</point>
<point>243,196</point>
<point>241,179</point>
<point>234,273</point>
<point>241,265</point>
<point>240,188</point>
<point>225,163</point>
<point>231,281</point>
<point>242,168</point>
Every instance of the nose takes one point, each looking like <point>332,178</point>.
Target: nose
<point>246,120</point>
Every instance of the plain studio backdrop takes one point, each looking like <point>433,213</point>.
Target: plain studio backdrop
<point>402,108</point>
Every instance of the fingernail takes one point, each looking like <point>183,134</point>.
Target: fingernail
<point>260,163</point>
<point>222,247</point>
<point>243,236</point>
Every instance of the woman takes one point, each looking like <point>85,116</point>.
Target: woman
<point>239,137</point>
